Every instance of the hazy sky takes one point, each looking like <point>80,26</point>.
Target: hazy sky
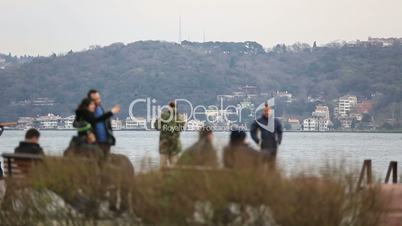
<point>46,26</point>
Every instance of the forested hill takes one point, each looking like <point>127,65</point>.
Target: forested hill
<point>199,72</point>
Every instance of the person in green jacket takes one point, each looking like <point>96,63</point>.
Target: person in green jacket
<point>202,153</point>
<point>170,124</point>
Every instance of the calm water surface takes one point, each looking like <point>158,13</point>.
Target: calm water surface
<point>298,151</point>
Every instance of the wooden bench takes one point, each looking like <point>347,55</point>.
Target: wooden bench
<point>18,165</point>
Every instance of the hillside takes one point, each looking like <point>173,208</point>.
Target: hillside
<point>199,72</point>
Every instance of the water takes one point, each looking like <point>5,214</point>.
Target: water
<point>298,151</point>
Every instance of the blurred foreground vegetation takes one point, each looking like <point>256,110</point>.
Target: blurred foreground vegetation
<point>83,192</point>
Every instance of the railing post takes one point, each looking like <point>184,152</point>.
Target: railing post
<point>392,169</point>
<point>369,173</point>
<point>366,170</point>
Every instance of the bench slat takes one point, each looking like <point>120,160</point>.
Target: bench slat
<point>17,165</point>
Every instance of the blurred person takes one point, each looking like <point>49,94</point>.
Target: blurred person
<point>84,145</point>
<point>202,153</point>
<point>102,128</point>
<point>170,124</point>
<point>267,140</point>
<point>31,143</point>
<point>238,154</point>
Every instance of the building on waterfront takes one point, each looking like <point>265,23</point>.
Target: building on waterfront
<point>310,124</point>
<point>385,41</point>
<point>324,125</point>
<point>314,124</point>
<point>25,122</point>
<point>49,121</point>
<point>117,124</point>
<point>320,120</point>
<point>294,124</point>
<point>135,123</point>
<point>346,122</point>
<point>346,105</point>
<point>321,112</point>
<point>350,112</point>
<point>67,122</point>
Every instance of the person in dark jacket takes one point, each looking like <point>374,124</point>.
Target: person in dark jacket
<point>270,135</point>
<point>85,122</point>
<point>239,155</point>
<point>31,143</point>
<point>202,153</point>
<point>103,128</point>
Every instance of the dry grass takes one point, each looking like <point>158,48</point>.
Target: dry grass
<point>169,197</point>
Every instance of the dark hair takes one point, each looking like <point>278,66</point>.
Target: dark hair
<point>237,136</point>
<point>172,104</point>
<point>90,92</point>
<point>32,133</point>
<point>84,104</point>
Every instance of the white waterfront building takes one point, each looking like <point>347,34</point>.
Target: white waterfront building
<point>321,112</point>
<point>320,120</point>
<point>346,104</point>
<point>25,122</point>
<point>136,123</point>
<point>117,124</point>
<point>310,124</point>
<point>67,122</point>
<point>324,125</point>
<point>49,121</point>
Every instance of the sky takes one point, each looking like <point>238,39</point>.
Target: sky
<point>43,27</point>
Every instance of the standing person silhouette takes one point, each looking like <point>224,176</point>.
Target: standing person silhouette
<point>103,128</point>
<point>170,125</point>
<point>268,140</point>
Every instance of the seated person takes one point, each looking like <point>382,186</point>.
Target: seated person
<point>238,154</point>
<point>202,153</point>
<point>31,143</point>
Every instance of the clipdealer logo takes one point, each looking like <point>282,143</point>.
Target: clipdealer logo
<point>230,114</point>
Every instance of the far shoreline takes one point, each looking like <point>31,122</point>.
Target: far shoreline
<point>223,131</point>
